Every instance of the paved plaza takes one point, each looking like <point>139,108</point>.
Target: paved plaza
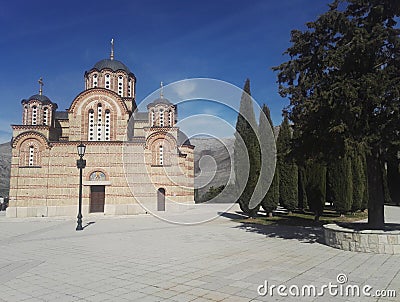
<point>142,258</point>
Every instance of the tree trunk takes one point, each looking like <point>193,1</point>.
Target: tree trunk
<point>252,213</point>
<point>376,216</point>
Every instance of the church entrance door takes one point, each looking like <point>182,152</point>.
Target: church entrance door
<point>97,198</point>
<point>161,199</point>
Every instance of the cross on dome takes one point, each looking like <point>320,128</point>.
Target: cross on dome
<point>112,49</point>
<point>41,84</point>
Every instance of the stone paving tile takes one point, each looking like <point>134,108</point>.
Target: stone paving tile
<point>140,258</point>
<point>133,296</point>
<point>216,296</point>
<point>195,283</point>
<point>236,299</point>
<point>201,299</point>
<point>183,297</point>
<point>181,288</point>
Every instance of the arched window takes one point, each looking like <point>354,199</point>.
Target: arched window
<point>99,125</point>
<point>161,113</point>
<point>107,81</point>
<point>161,155</point>
<point>34,115</point>
<point>153,118</point>
<point>120,86</point>
<point>91,125</point>
<point>97,176</point>
<point>107,125</point>
<point>95,80</point>
<point>31,155</point>
<point>25,117</point>
<point>99,122</point>
<point>170,123</point>
<point>129,88</point>
<point>46,116</point>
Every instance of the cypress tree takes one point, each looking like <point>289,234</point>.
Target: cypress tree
<point>302,193</point>
<point>250,160</point>
<point>270,201</point>
<point>341,184</point>
<point>287,168</point>
<point>315,187</point>
<point>302,179</point>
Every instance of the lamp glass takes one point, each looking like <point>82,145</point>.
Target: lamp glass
<point>81,149</point>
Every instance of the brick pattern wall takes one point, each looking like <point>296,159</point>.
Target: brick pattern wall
<point>50,186</point>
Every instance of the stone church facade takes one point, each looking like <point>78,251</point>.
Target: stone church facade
<point>147,168</point>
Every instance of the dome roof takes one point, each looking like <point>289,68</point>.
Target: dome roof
<point>159,101</point>
<point>40,97</point>
<point>114,65</point>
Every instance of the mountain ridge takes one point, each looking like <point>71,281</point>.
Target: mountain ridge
<point>5,167</point>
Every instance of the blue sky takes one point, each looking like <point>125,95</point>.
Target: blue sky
<point>158,40</point>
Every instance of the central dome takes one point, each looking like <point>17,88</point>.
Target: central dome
<point>114,65</point>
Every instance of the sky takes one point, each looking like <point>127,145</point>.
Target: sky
<point>158,40</point>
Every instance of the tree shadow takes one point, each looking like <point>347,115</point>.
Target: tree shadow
<point>232,216</point>
<point>307,233</point>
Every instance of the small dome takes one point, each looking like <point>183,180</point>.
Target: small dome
<point>114,65</point>
<point>40,97</point>
<point>160,101</point>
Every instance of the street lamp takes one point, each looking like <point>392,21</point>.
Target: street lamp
<point>81,164</point>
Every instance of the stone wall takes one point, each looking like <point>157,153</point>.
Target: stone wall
<point>51,187</point>
<point>367,241</point>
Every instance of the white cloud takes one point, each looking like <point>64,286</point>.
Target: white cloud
<point>184,89</point>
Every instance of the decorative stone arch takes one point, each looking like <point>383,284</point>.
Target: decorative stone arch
<point>30,146</point>
<point>97,177</point>
<point>97,174</point>
<point>168,143</point>
<point>105,94</point>
<point>160,135</point>
<point>17,141</point>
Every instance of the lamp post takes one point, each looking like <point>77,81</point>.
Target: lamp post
<point>81,164</point>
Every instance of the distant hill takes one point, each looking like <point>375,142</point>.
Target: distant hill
<point>5,165</point>
<point>213,162</point>
<point>213,159</point>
